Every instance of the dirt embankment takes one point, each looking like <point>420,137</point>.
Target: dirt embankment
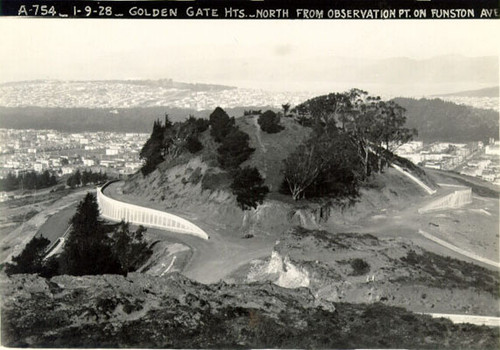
<point>201,193</point>
<point>194,186</point>
<point>360,268</point>
<point>142,311</point>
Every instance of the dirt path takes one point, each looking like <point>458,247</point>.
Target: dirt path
<point>477,320</point>
<point>459,250</point>
<point>258,133</point>
<point>214,259</point>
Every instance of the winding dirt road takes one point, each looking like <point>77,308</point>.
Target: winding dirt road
<point>214,259</point>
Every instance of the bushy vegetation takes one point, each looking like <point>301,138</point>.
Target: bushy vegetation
<point>353,133</point>
<point>321,167</point>
<point>85,178</point>
<point>234,149</point>
<point>221,124</point>
<point>437,271</point>
<point>152,151</point>
<point>359,267</point>
<point>193,144</point>
<point>169,140</point>
<point>87,250</point>
<point>94,248</point>
<point>247,183</point>
<point>191,316</point>
<point>28,181</point>
<point>91,248</point>
<point>31,260</point>
<point>252,112</point>
<point>129,248</point>
<point>270,122</point>
<point>248,186</point>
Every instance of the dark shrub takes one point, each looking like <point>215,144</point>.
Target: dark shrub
<point>269,122</point>
<point>193,145</point>
<point>359,267</point>
<point>248,186</point>
<point>234,149</point>
<point>31,260</point>
<point>220,124</point>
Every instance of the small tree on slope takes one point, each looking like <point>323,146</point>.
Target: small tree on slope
<point>248,186</point>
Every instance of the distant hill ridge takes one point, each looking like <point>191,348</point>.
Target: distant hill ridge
<point>486,92</point>
<point>169,83</point>
<point>438,120</point>
<point>435,119</point>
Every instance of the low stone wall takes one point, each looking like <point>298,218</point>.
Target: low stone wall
<point>115,210</point>
<point>456,199</point>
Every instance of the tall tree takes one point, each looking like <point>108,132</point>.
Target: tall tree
<point>129,248</point>
<point>248,186</point>
<point>323,166</point>
<point>10,183</point>
<point>87,250</point>
<point>220,124</point>
<point>301,169</point>
<point>286,108</point>
<point>326,112</point>
<point>153,149</point>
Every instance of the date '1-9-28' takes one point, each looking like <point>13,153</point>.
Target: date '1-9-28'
<point>46,10</point>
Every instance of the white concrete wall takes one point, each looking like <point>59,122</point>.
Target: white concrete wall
<point>456,199</point>
<point>115,210</point>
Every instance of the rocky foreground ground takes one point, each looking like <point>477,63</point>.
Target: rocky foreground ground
<point>175,312</point>
<point>361,268</point>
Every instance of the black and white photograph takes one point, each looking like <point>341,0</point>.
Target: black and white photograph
<point>249,183</point>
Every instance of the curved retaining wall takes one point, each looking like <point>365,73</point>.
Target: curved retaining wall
<point>456,199</point>
<point>115,210</point>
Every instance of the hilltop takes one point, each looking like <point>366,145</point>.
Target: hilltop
<point>438,120</point>
<point>195,184</point>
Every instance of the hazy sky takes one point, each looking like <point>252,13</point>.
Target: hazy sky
<point>200,50</point>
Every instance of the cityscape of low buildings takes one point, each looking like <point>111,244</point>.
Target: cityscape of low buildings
<point>477,102</point>
<point>472,159</point>
<point>62,153</point>
<point>117,154</point>
<point>82,94</point>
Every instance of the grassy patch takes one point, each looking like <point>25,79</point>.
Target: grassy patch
<point>195,176</point>
<point>215,181</point>
<point>23,217</point>
<point>438,271</point>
